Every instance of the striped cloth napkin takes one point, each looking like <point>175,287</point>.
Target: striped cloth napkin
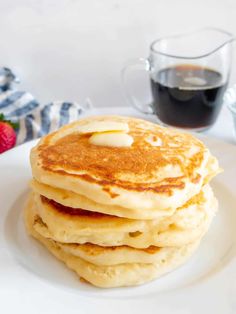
<point>34,119</point>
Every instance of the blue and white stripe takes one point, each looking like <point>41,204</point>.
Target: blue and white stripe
<point>35,120</point>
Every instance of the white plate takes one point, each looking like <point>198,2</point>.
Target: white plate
<point>32,281</point>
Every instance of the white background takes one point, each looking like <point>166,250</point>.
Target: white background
<point>73,49</point>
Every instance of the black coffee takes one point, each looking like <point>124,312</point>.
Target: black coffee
<point>187,96</point>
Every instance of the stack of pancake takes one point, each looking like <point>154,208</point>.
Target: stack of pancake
<point>119,200</point>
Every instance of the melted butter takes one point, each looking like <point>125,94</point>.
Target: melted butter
<point>103,126</point>
<point>112,139</point>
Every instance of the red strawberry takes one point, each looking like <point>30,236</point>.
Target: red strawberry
<point>7,135</point>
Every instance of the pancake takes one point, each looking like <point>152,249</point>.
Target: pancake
<point>125,274</point>
<point>74,200</point>
<point>68,225</point>
<point>159,172</point>
<point>187,216</point>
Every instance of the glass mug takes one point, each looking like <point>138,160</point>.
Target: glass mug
<point>189,74</point>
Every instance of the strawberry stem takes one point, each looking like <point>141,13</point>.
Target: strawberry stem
<point>14,125</point>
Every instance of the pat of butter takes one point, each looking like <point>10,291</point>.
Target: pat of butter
<point>154,141</point>
<point>103,126</point>
<point>112,139</point>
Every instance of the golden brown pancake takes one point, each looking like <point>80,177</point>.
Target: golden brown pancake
<point>70,225</point>
<point>107,276</point>
<point>120,200</point>
<point>144,180</point>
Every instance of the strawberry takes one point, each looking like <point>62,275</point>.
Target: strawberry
<point>7,134</point>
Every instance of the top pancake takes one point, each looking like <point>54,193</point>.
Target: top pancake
<point>143,177</point>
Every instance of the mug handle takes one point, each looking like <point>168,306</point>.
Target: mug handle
<point>132,66</point>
